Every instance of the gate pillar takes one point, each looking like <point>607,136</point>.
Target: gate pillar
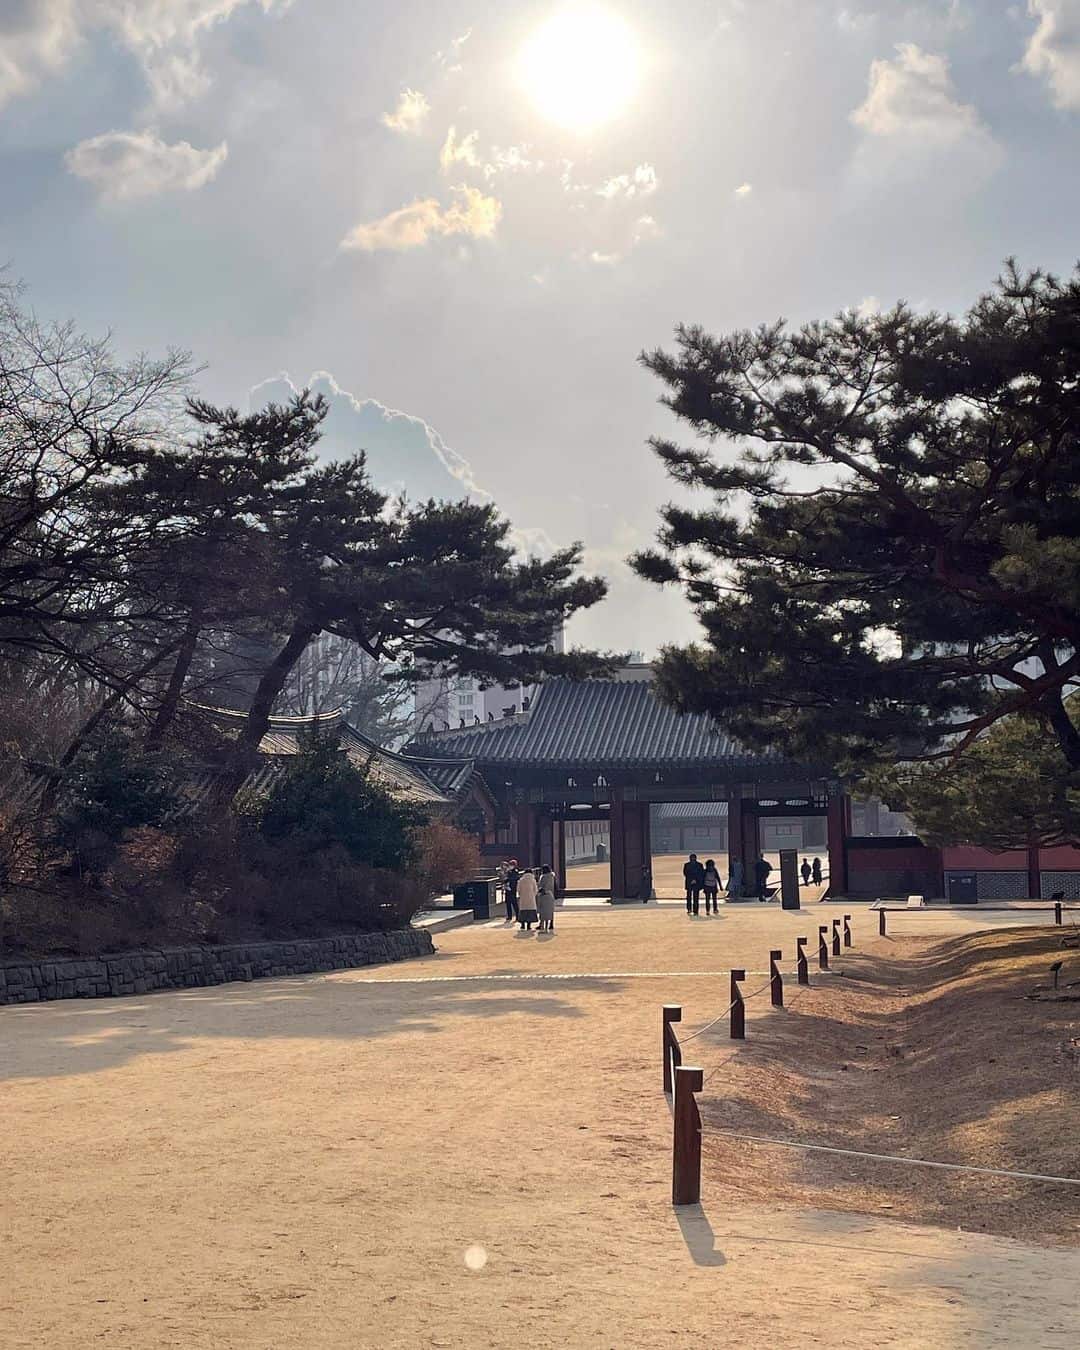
<point>839,827</point>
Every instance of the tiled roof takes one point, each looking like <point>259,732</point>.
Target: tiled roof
<point>601,722</point>
<point>432,783</point>
<point>692,811</point>
<point>402,775</point>
<point>452,776</point>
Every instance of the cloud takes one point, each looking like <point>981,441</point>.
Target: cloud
<point>1054,50</point>
<point>938,17</point>
<point>744,190</point>
<point>643,182</point>
<point>912,97</point>
<point>645,228</point>
<point>124,165</point>
<point>913,124</point>
<point>40,36</point>
<point>410,114</point>
<point>465,151</point>
<point>635,614</point>
<point>450,57</point>
<point>472,214</point>
<point>36,40</point>
<point>461,151</point>
<point>603,222</point>
<point>511,159</point>
<point>405,453</point>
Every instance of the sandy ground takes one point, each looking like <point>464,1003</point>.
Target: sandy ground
<point>315,1162</point>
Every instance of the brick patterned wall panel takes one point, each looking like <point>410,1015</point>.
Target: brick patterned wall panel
<point>1002,885</point>
<point>1069,882</point>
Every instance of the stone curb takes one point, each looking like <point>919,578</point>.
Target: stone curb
<point>123,973</point>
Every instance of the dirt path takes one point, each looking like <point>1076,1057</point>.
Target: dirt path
<point>313,1162</point>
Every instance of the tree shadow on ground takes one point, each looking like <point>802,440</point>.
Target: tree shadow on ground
<point>48,1040</point>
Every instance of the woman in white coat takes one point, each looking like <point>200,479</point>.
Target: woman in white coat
<point>526,897</point>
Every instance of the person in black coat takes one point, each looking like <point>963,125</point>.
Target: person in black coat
<point>761,877</point>
<point>694,879</point>
<point>513,876</point>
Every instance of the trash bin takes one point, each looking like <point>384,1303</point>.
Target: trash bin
<point>963,888</point>
<point>481,896</point>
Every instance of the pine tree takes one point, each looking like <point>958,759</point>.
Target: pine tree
<point>1010,789</point>
<point>890,561</point>
<point>416,586</point>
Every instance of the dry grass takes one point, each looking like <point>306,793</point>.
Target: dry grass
<point>930,1050</point>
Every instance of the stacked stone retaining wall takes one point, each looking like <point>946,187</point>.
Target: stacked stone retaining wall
<point>194,967</point>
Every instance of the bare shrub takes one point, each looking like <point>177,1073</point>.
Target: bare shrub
<point>445,856</point>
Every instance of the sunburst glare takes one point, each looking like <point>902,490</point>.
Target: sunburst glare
<point>581,67</point>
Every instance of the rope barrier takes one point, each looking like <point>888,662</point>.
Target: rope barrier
<point>791,1002</point>
<point>890,1157</point>
<point>684,1039</point>
<point>684,1081</point>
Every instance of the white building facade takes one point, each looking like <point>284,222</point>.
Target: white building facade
<point>459,701</point>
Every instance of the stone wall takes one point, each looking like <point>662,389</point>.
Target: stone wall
<point>193,967</point>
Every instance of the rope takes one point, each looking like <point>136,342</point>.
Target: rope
<point>716,1068</point>
<point>789,1002</point>
<point>891,1157</point>
<point>684,1039</point>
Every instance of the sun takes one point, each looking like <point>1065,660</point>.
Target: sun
<point>581,67</point>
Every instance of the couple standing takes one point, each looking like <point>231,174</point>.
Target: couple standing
<point>701,877</point>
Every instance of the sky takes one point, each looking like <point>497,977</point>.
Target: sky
<point>464,221</point>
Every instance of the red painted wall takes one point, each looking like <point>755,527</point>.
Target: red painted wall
<point>909,870</point>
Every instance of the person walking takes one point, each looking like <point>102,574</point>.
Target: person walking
<point>815,871</point>
<point>526,901</point>
<point>762,868</point>
<point>545,900</point>
<point>693,877</point>
<point>735,880</point>
<point>513,876</point>
<point>805,869</point>
<point>711,886</point>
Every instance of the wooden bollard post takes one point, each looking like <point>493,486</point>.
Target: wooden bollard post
<point>881,922</point>
<point>686,1138</point>
<point>801,966</point>
<point>1057,912</point>
<point>738,1007</point>
<point>836,937</point>
<point>776,980</point>
<point>847,930</point>
<point>669,1045</point>
<point>822,947</point>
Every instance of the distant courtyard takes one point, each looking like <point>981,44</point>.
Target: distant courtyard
<point>451,1152</point>
<point>668,877</point>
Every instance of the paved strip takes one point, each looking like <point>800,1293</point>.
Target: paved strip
<point>575,975</point>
